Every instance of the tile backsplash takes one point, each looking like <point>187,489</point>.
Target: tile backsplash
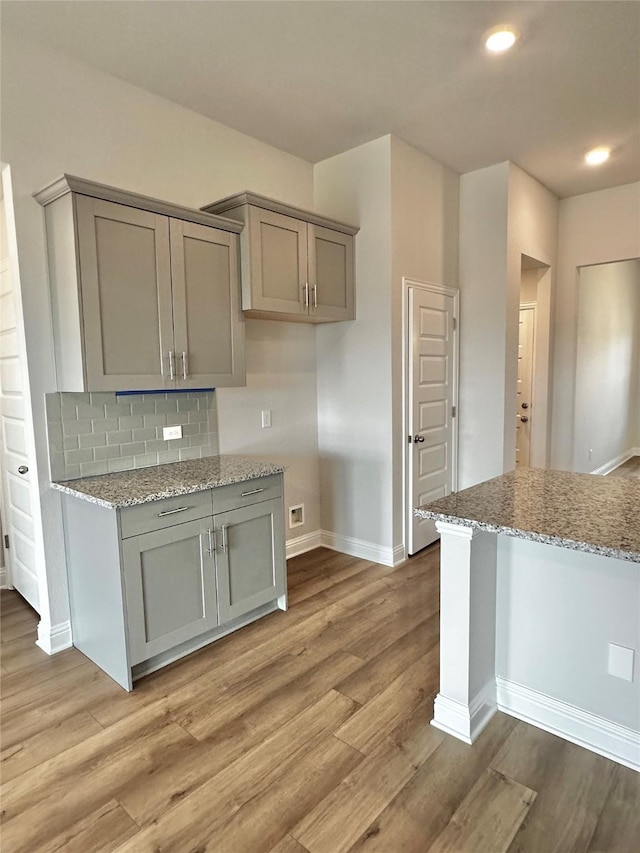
<point>98,433</point>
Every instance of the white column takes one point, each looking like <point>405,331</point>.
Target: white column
<point>467,698</point>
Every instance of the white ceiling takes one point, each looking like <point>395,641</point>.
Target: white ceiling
<point>318,78</point>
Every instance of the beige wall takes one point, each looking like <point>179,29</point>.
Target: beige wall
<point>406,204</point>
<point>424,245</point>
<point>483,294</point>
<point>504,214</point>
<point>607,364</point>
<point>354,359</point>
<point>59,116</point>
<point>533,232</point>
<point>594,228</point>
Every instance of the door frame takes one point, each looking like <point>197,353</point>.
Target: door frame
<point>6,200</point>
<point>409,284</point>
<point>531,306</point>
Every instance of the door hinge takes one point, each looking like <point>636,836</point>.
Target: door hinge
<point>6,541</point>
<point>455,323</point>
<point>453,411</point>
<point>410,440</point>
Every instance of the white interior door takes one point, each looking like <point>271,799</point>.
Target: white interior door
<point>525,384</point>
<point>432,390</point>
<point>19,484</point>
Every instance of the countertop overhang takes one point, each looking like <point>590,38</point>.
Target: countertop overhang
<point>584,512</point>
<point>141,485</point>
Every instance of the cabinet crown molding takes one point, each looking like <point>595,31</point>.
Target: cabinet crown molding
<point>72,184</point>
<point>255,200</point>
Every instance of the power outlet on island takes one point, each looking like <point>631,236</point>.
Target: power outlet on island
<point>620,662</point>
<point>169,433</point>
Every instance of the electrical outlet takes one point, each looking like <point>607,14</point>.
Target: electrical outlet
<point>296,515</point>
<point>169,433</point>
<point>620,662</point>
<point>266,418</point>
<point>591,453</point>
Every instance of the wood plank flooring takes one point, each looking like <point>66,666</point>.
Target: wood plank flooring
<point>306,732</point>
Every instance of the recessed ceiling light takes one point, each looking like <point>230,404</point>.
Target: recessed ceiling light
<point>501,38</point>
<point>597,156</point>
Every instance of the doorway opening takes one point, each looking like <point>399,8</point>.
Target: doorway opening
<point>606,434</point>
<point>534,364</point>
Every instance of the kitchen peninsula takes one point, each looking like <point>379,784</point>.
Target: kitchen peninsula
<point>165,559</point>
<point>540,607</point>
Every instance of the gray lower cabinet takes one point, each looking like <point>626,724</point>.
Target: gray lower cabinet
<point>150,583</point>
<point>247,557</point>
<point>170,587</point>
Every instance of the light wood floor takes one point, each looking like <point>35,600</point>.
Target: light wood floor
<point>630,468</point>
<point>307,731</point>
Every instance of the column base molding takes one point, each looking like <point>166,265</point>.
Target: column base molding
<point>465,722</point>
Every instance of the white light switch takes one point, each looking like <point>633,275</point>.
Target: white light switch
<point>266,418</point>
<point>620,662</point>
<point>169,433</point>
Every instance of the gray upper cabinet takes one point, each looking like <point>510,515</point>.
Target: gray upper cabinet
<point>145,295</point>
<point>296,265</point>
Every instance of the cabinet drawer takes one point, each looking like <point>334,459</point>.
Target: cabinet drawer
<point>246,493</point>
<point>157,515</point>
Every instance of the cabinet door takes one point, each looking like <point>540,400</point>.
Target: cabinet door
<point>278,257</point>
<point>208,326</point>
<point>126,296</point>
<point>331,278</point>
<point>170,587</point>
<point>250,558</point>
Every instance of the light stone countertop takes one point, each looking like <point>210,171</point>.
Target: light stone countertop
<point>138,486</point>
<point>585,512</point>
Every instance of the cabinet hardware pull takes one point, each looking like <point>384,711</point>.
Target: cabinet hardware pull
<point>225,543</point>
<point>173,511</point>
<point>211,547</point>
<point>315,295</point>
<point>172,372</point>
<point>306,294</point>
<point>184,366</point>
<point>252,492</point>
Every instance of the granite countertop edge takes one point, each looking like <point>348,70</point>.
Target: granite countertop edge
<point>128,493</point>
<point>532,536</point>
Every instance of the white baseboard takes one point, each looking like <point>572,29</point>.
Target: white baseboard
<point>465,722</point>
<point>602,736</point>
<point>360,548</point>
<point>346,545</point>
<point>302,544</point>
<point>399,555</point>
<point>610,466</point>
<point>54,638</point>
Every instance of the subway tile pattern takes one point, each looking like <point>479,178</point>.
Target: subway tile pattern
<point>99,433</point>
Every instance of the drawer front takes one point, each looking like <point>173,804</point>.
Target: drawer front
<point>156,515</point>
<point>247,493</point>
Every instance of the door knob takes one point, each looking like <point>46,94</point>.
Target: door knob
<point>418,438</point>
<point>524,419</point>
<point>23,469</point>
<point>525,405</point>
